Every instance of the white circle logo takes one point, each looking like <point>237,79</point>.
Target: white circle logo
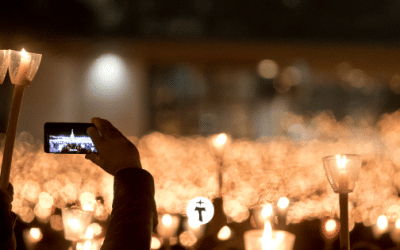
<point>200,210</point>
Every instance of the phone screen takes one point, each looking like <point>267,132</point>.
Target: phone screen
<point>67,138</point>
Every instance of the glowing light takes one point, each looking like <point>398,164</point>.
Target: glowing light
<point>266,238</point>
<point>194,224</point>
<point>87,245</point>
<point>268,69</point>
<point>220,140</point>
<point>89,233</point>
<point>187,239</point>
<point>74,223</point>
<point>382,222</point>
<point>330,225</point>
<point>36,233</point>
<point>107,77</point>
<point>45,200</point>
<point>267,211</point>
<point>224,233</point>
<point>88,201</point>
<point>155,243</point>
<point>341,162</point>
<point>397,224</point>
<point>167,219</point>
<point>283,202</point>
<point>24,54</point>
<point>95,228</point>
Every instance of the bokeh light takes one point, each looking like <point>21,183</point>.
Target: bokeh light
<point>107,77</point>
<point>155,243</point>
<point>224,233</point>
<point>36,233</point>
<point>268,69</point>
<point>187,239</point>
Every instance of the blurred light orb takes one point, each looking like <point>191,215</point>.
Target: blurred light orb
<point>108,76</point>
<point>45,200</point>
<point>36,233</point>
<point>224,233</point>
<point>187,238</point>
<point>330,225</point>
<point>283,202</point>
<point>268,69</point>
<point>74,223</point>
<point>167,219</point>
<point>267,211</point>
<point>221,139</point>
<point>155,243</point>
<point>194,224</point>
<point>88,201</point>
<point>382,222</point>
<point>397,224</point>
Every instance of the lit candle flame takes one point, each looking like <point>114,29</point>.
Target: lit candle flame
<point>221,139</point>
<point>267,211</point>
<point>74,223</point>
<point>341,162</point>
<point>24,54</point>
<point>330,225</point>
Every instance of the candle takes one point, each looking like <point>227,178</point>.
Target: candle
<point>24,66</point>
<point>344,175</point>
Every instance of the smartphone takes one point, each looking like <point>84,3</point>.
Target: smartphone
<point>67,138</point>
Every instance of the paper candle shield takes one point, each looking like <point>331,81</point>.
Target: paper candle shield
<point>23,67</point>
<point>4,62</point>
<point>75,223</point>
<point>281,240</point>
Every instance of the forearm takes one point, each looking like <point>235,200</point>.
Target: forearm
<point>134,212</point>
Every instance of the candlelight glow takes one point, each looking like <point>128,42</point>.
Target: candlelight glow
<point>397,224</point>
<point>167,219</point>
<point>224,233</point>
<point>155,243</point>
<point>36,233</point>
<point>74,223</point>
<point>330,225</point>
<point>221,139</point>
<point>24,54</point>
<point>187,239</point>
<point>382,222</point>
<point>341,162</point>
<point>283,202</point>
<point>268,168</point>
<point>266,239</point>
<point>267,211</point>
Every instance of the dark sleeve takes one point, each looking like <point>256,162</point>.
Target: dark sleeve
<point>134,214</point>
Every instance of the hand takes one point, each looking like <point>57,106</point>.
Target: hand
<point>114,150</point>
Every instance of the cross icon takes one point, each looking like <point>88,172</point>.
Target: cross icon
<point>200,202</point>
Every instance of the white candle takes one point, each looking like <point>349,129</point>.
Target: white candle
<point>344,175</point>
<point>23,68</point>
<point>344,181</point>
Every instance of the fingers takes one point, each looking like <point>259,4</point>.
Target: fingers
<point>103,126</point>
<point>95,159</point>
<point>94,135</point>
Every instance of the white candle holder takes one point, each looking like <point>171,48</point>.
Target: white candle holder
<point>341,169</point>
<point>280,240</point>
<point>23,66</point>
<point>342,172</point>
<point>75,223</point>
<point>4,63</point>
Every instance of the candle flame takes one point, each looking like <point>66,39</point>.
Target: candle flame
<point>221,139</point>
<point>24,54</point>
<point>341,162</point>
<point>267,211</point>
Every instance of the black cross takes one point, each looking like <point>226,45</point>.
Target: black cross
<point>200,202</point>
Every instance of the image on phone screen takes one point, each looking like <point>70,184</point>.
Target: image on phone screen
<point>67,138</point>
